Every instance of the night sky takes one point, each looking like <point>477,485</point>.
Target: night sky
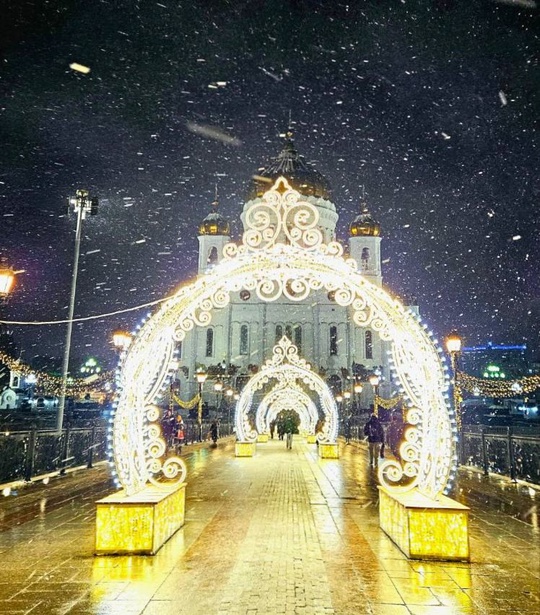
<point>432,105</point>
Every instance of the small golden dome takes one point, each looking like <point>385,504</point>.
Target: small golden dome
<point>214,224</point>
<point>364,225</point>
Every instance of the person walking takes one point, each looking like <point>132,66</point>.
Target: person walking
<point>180,433</point>
<point>272,428</point>
<point>375,437</point>
<point>214,433</point>
<point>347,429</point>
<point>168,424</point>
<point>289,428</point>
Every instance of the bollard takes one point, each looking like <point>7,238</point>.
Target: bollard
<point>30,457</point>
<point>484,453</point>
<point>91,447</point>
<point>511,460</point>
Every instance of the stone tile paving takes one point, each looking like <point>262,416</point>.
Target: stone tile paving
<point>283,532</point>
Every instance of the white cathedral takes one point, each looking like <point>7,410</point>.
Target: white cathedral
<point>244,333</point>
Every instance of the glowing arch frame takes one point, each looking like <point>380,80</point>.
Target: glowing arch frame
<point>287,368</point>
<point>283,255</point>
<point>292,398</point>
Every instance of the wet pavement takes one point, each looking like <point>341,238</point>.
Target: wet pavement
<point>283,532</point>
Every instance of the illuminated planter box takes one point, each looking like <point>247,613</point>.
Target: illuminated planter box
<point>139,523</point>
<point>424,528</point>
<point>328,451</point>
<point>311,439</point>
<point>245,449</point>
<point>262,437</point>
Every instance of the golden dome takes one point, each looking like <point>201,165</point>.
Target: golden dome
<point>364,225</point>
<point>214,224</point>
<point>299,173</point>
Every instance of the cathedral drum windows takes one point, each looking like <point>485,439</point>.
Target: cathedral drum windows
<point>368,347</point>
<point>292,332</point>
<point>209,343</point>
<point>333,340</point>
<point>244,339</point>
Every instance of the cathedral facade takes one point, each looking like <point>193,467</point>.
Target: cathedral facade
<point>241,336</point>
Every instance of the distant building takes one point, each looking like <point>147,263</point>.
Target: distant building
<point>498,362</point>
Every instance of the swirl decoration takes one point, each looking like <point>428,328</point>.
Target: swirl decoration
<point>283,255</point>
<point>287,368</point>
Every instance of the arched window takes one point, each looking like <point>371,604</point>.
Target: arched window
<point>288,332</point>
<point>279,333</point>
<point>209,342</point>
<point>298,337</point>
<point>369,344</point>
<point>212,256</point>
<point>365,258</point>
<point>244,340</point>
<point>333,340</point>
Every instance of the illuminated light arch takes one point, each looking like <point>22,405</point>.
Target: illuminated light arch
<point>283,255</point>
<point>287,368</point>
<point>290,398</point>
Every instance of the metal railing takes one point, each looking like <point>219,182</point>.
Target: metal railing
<point>509,451</point>
<point>28,453</point>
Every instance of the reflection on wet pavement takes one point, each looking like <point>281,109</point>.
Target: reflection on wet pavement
<point>283,532</point>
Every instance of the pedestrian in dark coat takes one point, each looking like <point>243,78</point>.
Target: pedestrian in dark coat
<point>375,437</point>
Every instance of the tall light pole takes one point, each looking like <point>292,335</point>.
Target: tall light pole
<point>374,380</point>
<point>347,396</point>
<point>358,388</point>
<point>201,377</point>
<point>453,346</point>
<point>218,388</point>
<point>121,340</point>
<point>82,205</point>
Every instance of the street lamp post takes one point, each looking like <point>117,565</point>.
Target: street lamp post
<point>358,388</point>
<point>453,346</point>
<point>218,388</point>
<point>374,380</point>
<point>201,377</point>
<point>229,393</point>
<point>347,404</point>
<point>82,205</point>
<point>121,340</point>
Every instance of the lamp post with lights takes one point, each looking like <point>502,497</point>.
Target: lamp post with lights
<point>82,205</point>
<point>357,388</point>
<point>453,346</point>
<point>218,388</point>
<point>121,340</point>
<point>201,377</point>
<point>375,380</point>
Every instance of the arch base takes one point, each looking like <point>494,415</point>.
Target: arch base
<point>328,450</point>
<point>244,449</point>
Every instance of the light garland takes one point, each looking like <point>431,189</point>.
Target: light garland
<point>497,388</point>
<point>283,255</point>
<point>52,385</point>
<point>387,404</point>
<point>186,405</point>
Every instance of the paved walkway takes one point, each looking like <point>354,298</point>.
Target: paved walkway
<point>283,532</point>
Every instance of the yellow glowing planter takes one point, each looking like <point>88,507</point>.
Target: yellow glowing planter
<point>424,528</point>
<point>139,523</point>
<point>311,439</point>
<point>328,451</point>
<point>245,449</point>
<point>262,437</point>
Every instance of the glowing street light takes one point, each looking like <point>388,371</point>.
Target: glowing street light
<point>200,376</point>
<point>82,205</point>
<point>7,278</point>
<point>453,346</point>
<point>374,380</point>
<point>121,340</point>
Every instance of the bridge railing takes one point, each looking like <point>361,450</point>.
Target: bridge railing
<point>509,451</point>
<point>28,453</point>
